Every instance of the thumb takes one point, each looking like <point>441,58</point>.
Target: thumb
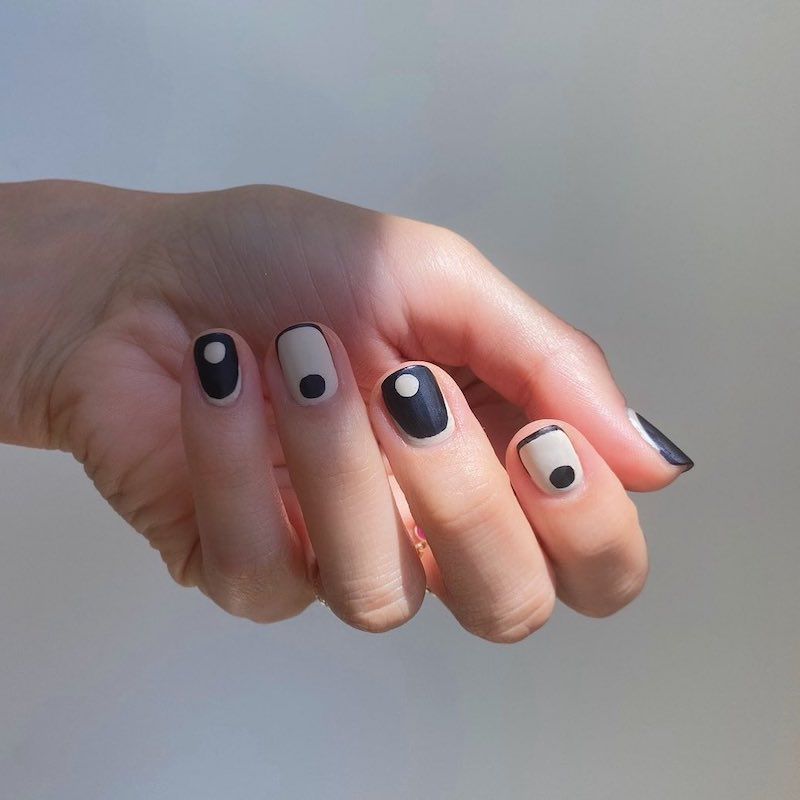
<point>463,311</point>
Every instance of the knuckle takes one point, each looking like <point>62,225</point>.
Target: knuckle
<point>607,542</point>
<point>587,348</point>
<point>249,584</point>
<point>376,607</point>
<point>378,617</point>
<point>244,567</point>
<point>622,592</point>
<point>457,246</point>
<point>518,620</point>
<point>255,604</point>
<point>473,507</point>
<point>447,238</point>
<point>612,559</point>
<point>235,599</point>
<point>446,247</point>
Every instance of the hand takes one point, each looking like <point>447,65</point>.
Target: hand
<point>257,497</point>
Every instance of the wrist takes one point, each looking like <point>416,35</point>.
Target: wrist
<point>62,247</point>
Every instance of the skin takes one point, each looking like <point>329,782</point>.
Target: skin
<point>102,292</point>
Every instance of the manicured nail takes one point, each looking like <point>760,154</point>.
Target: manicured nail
<point>218,367</point>
<point>551,460</point>
<point>671,453</point>
<point>307,364</point>
<point>417,406</point>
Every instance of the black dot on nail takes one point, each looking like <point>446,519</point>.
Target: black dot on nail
<point>312,386</point>
<point>561,477</point>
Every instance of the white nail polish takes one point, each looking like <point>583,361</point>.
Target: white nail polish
<point>307,364</point>
<point>550,459</point>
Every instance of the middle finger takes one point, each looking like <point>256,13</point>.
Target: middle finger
<point>369,570</point>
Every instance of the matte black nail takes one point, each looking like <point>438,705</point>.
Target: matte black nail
<point>217,366</point>
<point>415,401</point>
<point>655,438</point>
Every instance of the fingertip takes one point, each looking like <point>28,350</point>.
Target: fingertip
<point>424,404</point>
<point>307,363</point>
<point>555,457</point>
<point>589,528</point>
<point>641,456</point>
<point>673,461</point>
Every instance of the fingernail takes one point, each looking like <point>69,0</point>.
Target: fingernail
<point>218,367</point>
<point>417,406</point>
<point>670,452</point>
<point>307,364</point>
<point>550,459</point>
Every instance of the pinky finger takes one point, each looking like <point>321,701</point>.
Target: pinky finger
<point>581,514</point>
<point>252,560</point>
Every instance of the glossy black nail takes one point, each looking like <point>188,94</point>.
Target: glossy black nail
<point>416,404</point>
<point>670,452</point>
<point>217,367</point>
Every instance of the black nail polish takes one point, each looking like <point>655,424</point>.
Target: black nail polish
<point>415,401</point>
<point>217,366</point>
<point>655,438</point>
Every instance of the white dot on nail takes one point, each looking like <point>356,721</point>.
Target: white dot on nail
<point>406,385</point>
<point>214,352</point>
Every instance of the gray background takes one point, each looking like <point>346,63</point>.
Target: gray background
<point>634,165</point>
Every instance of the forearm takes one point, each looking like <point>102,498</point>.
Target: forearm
<point>62,245</point>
